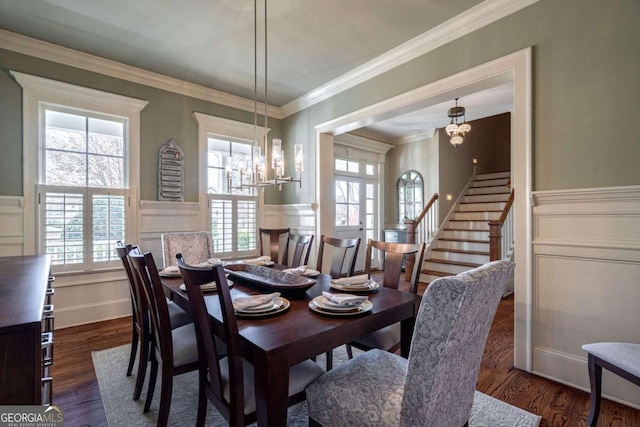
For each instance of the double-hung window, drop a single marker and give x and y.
(232, 210)
(81, 150)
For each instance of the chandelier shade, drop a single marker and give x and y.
(457, 131)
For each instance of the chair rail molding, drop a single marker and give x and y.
(586, 264)
(11, 225)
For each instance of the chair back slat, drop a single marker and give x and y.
(394, 254)
(340, 249)
(273, 234)
(301, 249)
(137, 306)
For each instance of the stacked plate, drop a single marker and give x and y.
(270, 307)
(302, 271)
(360, 283)
(207, 287)
(348, 305)
(171, 271)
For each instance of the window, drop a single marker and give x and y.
(410, 202)
(78, 146)
(233, 211)
(225, 148)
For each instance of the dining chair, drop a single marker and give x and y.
(435, 386)
(273, 235)
(621, 358)
(301, 245)
(344, 252)
(195, 246)
(175, 351)
(141, 335)
(388, 338)
(228, 381)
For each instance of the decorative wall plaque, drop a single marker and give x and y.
(170, 172)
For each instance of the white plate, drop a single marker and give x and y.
(367, 306)
(281, 305)
(262, 308)
(325, 304)
(309, 272)
(365, 287)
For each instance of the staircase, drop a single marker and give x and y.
(463, 243)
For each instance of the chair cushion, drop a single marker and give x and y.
(185, 346)
(625, 356)
(177, 315)
(385, 338)
(365, 391)
(300, 376)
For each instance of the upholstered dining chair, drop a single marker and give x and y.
(228, 381)
(140, 328)
(301, 245)
(273, 236)
(175, 351)
(435, 386)
(195, 246)
(343, 252)
(388, 338)
(621, 358)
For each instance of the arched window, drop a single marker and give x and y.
(410, 201)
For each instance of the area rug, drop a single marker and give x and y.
(116, 390)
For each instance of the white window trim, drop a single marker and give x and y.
(221, 128)
(37, 90)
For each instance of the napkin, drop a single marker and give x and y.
(242, 303)
(353, 280)
(258, 261)
(214, 261)
(297, 270)
(344, 300)
(172, 269)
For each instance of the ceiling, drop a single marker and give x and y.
(211, 43)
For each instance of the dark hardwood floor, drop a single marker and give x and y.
(76, 389)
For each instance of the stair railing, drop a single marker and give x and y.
(501, 232)
(422, 229)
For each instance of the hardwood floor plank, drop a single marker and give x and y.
(75, 388)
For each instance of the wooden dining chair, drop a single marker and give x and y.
(388, 338)
(273, 235)
(344, 252)
(228, 381)
(195, 246)
(174, 350)
(436, 385)
(140, 328)
(301, 245)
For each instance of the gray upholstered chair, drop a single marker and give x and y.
(195, 247)
(621, 358)
(436, 385)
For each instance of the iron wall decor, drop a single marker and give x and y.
(170, 172)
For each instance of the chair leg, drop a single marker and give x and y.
(142, 366)
(329, 355)
(202, 405)
(166, 389)
(152, 384)
(349, 351)
(595, 380)
(134, 349)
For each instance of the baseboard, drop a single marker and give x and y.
(91, 313)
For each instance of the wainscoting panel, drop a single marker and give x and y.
(586, 270)
(11, 226)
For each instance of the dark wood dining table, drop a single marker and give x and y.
(274, 344)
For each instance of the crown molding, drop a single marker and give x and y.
(363, 133)
(465, 23)
(419, 137)
(84, 61)
(363, 143)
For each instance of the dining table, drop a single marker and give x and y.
(275, 343)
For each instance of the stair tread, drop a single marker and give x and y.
(460, 251)
(486, 210)
(436, 273)
(465, 229)
(449, 262)
(448, 239)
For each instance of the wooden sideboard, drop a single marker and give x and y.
(26, 330)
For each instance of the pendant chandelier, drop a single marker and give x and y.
(457, 131)
(257, 174)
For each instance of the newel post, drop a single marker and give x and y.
(411, 258)
(495, 236)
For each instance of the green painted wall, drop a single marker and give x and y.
(167, 115)
(586, 82)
